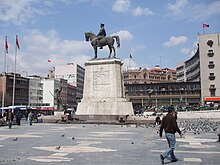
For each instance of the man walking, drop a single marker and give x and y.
(169, 125)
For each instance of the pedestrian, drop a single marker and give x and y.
(30, 118)
(9, 118)
(169, 125)
(175, 114)
(18, 117)
(26, 115)
(158, 120)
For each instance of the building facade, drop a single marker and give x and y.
(189, 71)
(204, 67)
(73, 73)
(67, 94)
(35, 91)
(162, 94)
(49, 94)
(21, 96)
(209, 51)
(144, 76)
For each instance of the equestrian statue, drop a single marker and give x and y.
(101, 40)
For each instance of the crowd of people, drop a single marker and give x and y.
(10, 117)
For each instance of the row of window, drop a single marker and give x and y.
(211, 65)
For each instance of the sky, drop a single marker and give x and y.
(161, 32)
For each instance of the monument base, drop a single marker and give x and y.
(118, 106)
(103, 95)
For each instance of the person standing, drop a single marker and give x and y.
(30, 118)
(169, 125)
(9, 118)
(18, 117)
(158, 120)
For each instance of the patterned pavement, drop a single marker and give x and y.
(95, 144)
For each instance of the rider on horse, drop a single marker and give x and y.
(101, 35)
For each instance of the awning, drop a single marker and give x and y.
(46, 109)
(211, 98)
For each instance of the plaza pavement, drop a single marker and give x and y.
(101, 144)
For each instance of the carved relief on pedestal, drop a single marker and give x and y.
(101, 81)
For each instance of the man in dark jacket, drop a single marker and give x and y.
(9, 118)
(169, 125)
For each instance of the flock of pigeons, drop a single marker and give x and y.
(198, 126)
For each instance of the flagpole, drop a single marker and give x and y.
(129, 62)
(13, 95)
(4, 74)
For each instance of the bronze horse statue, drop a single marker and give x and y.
(90, 36)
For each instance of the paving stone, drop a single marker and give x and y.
(101, 144)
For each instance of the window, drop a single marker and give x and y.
(211, 65)
(210, 53)
(211, 76)
(212, 93)
(210, 43)
(212, 87)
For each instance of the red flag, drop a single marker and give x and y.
(205, 25)
(130, 56)
(49, 61)
(6, 44)
(17, 43)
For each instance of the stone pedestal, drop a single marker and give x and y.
(103, 93)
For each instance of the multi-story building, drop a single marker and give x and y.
(204, 67)
(35, 91)
(172, 93)
(209, 51)
(180, 72)
(21, 96)
(49, 94)
(67, 93)
(71, 96)
(189, 71)
(73, 73)
(144, 76)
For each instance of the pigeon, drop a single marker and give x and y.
(15, 139)
(58, 147)
(62, 135)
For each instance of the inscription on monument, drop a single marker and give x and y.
(101, 81)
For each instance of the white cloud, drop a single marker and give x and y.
(37, 48)
(202, 11)
(121, 6)
(142, 11)
(177, 6)
(190, 50)
(124, 35)
(214, 8)
(187, 10)
(175, 41)
(19, 12)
